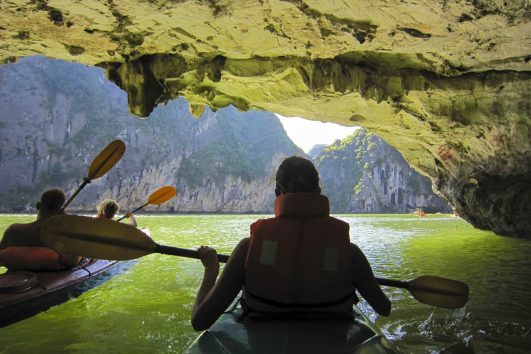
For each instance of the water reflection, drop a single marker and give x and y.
(150, 304)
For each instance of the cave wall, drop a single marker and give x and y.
(445, 82)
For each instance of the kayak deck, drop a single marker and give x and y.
(52, 288)
(355, 334)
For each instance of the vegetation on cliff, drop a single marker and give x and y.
(362, 173)
(57, 116)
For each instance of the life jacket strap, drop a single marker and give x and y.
(302, 306)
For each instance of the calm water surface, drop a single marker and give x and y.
(147, 308)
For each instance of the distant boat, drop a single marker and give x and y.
(419, 212)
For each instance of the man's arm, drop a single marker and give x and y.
(131, 218)
(366, 283)
(214, 297)
(68, 260)
(8, 237)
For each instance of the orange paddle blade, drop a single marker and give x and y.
(106, 159)
(162, 195)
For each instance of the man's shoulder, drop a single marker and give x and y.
(264, 221)
(14, 229)
(339, 221)
(16, 234)
(22, 227)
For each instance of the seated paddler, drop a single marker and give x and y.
(300, 261)
(21, 247)
(108, 208)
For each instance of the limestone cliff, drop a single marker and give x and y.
(363, 174)
(445, 82)
(57, 116)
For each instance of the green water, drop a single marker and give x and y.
(147, 309)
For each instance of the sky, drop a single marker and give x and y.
(307, 133)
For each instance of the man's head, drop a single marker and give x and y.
(108, 208)
(51, 201)
(296, 174)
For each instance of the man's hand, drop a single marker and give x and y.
(209, 258)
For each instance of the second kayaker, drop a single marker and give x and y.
(21, 247)
(108, 208)
(299, 261)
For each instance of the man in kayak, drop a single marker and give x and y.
(21, 247)
(108, 208)
(299, 261)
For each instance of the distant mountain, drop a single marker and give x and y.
(316, 150)
(56, 116)
(363, 174)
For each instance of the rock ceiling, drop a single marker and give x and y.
(445, 82)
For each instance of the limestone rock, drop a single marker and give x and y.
(222, 162)
(363, 174)
(445, 82)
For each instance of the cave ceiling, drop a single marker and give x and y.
(445, 82)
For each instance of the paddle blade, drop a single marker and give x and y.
(162, 195)
(440, 292)
(95, 238)
(106, 159)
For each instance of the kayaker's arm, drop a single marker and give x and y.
(131, 218)
(69, 260)
(208, 257)
(9, 234)
(365, 282)
(213, 297)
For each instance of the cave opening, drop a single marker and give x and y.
(55, 114)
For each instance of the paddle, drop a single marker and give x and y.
(105, 160)
(107, 239)
(158, 197)
(432, 290)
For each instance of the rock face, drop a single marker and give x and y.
(445, 82)
(57, 116)
(363, 174)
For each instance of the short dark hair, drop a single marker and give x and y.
(108, 207)
(297, 174)
(52, 200)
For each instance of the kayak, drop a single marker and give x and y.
(24, 294)
(325, 333)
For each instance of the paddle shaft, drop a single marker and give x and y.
(223, 258)
(81, 186)
(183, 252)
(134, 211)
(158, 197)
(394, 283)
(107, 239)
(105, 160)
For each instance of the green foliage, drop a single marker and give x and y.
(80, 112)
(55, 174)
(19, 198)
(245, 144)
(217, 161)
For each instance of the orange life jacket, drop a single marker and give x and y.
(31, 258)
(300, 260)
